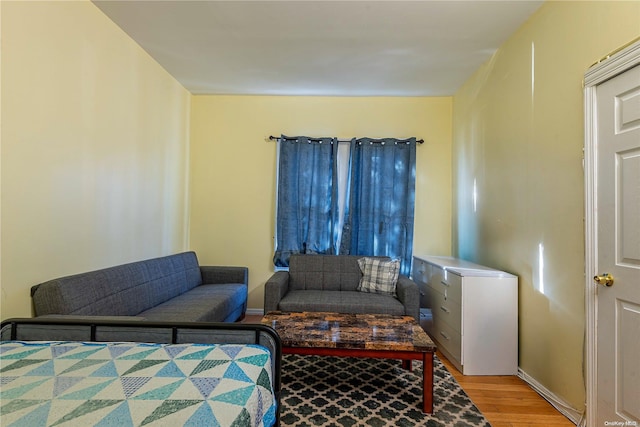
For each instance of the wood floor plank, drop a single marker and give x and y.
(507, 401)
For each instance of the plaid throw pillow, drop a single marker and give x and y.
(379, 276)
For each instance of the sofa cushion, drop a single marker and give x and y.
(341, 302)
(378, 276)
(205, 303)
(325, 272)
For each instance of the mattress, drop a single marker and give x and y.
(68, 383)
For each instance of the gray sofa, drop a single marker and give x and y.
(329, 283)
(173, 288)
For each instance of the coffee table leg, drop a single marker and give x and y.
(427, 382)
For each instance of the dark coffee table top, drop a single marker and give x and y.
(349, 331)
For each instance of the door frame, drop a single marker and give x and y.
(616, 63)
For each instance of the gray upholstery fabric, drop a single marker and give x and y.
(206, 303)
(341, 302)
(219, 274)
(324, 272)
(275, 289)
(408, 293)
(156, 285)
(329, 283)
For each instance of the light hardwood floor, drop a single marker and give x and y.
(506, 401)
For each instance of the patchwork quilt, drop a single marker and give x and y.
(135, 384)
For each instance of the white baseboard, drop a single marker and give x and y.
(574, 415)
(255, 312)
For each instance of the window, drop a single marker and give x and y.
(371, 213)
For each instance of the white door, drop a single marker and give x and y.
(617, 249)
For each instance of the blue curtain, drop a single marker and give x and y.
(380, 209)
(307, 187)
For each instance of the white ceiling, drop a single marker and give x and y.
(337, 48)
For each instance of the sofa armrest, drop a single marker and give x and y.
(275, 289)
(212, 275)
(409, 295)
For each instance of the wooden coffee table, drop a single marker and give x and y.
(358, 335)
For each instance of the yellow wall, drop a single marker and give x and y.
(518, 134)
(233, 169)
(94, 148)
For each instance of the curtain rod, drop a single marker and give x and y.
(277, 138)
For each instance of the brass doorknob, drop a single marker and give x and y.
(605, 279)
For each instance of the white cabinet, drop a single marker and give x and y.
(471, 312)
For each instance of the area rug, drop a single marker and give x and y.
(345, 392)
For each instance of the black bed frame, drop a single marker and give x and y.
(106, 330)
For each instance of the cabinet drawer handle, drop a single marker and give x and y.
(445, 336)
(444, 283)
(445, 309)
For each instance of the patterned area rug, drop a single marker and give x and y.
(334, 392)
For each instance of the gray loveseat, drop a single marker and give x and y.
(329, 283)
(173, 288)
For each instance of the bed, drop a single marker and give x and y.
(130, 373)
